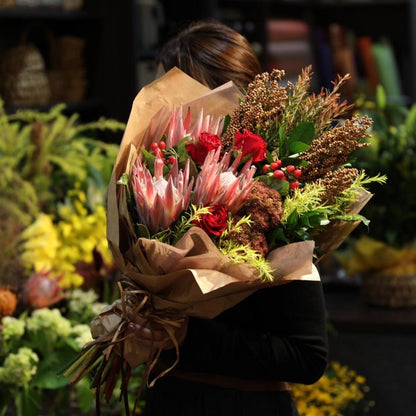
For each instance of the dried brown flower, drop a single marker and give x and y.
(337, 181)
(264, 101)
(321, 109)
(247, 236)
(333, 149)
(264, 205)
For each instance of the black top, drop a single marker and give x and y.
(277, 334)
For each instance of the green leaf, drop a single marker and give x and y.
(148, 157)
(227, 120)
(124, 180)
(278, 184)
(183, 157)
(277, 238)
(84, 395)
(47, 373)
(142, 231)
(293, 219)
(269, 157)
(298, 147)
(283, 149)
(353, 218)
(411, 121)
(302, 234)
(381, 99)
(5, 399)
(303, 132)
(28, 402)
(182, 153)
(315, 218)
(291, 160)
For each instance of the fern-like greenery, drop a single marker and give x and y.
(238, 253)
(235, 252)
(350, 195)
(303, 200)
(186, 221)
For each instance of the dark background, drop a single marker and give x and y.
(120, 60)
(378, 343)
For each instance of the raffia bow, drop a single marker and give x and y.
(117, 349)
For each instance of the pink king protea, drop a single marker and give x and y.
(159, 202)
(180, 127)
(42, 290)
(219, 183)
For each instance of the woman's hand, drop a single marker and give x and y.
(154, 334)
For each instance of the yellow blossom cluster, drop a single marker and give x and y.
(58, 245)
(334, 392)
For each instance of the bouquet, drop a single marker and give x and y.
(215, 195)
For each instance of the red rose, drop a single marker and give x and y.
(251, 144)
(205, 143)
(215, 222)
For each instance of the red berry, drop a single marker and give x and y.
(154, 146)
(157, 152)
(278, 163)
(278, 174)
(294, 185)
(265, 168)
(290, 168)
(162, 145)
(297, 173)
(274, 166)
(171, 160)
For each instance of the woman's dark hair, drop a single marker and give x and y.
(212, 53)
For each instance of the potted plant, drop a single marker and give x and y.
(55, 267)
(386, 257)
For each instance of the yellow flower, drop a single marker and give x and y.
(330, 395)
(40, 243)
(59, 246)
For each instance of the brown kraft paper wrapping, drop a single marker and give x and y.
(192, 278)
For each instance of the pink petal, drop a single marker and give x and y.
(196, 131)
(158, 168)
(187, 121)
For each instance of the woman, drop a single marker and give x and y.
(212, 53)
(240, 362)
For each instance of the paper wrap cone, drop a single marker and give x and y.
(192, 278)
(162, 269)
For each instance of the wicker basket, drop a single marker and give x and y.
(67, 74)
(390, 290)
(26, 79)
(7, 3)
(23, 77)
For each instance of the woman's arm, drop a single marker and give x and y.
(278, 333)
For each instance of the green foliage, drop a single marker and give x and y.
(43, 154)
(178, 229)
(34, 347)
(244, 254)
(280, 185)
(238, 253)
(393, 152)
(304, 214)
